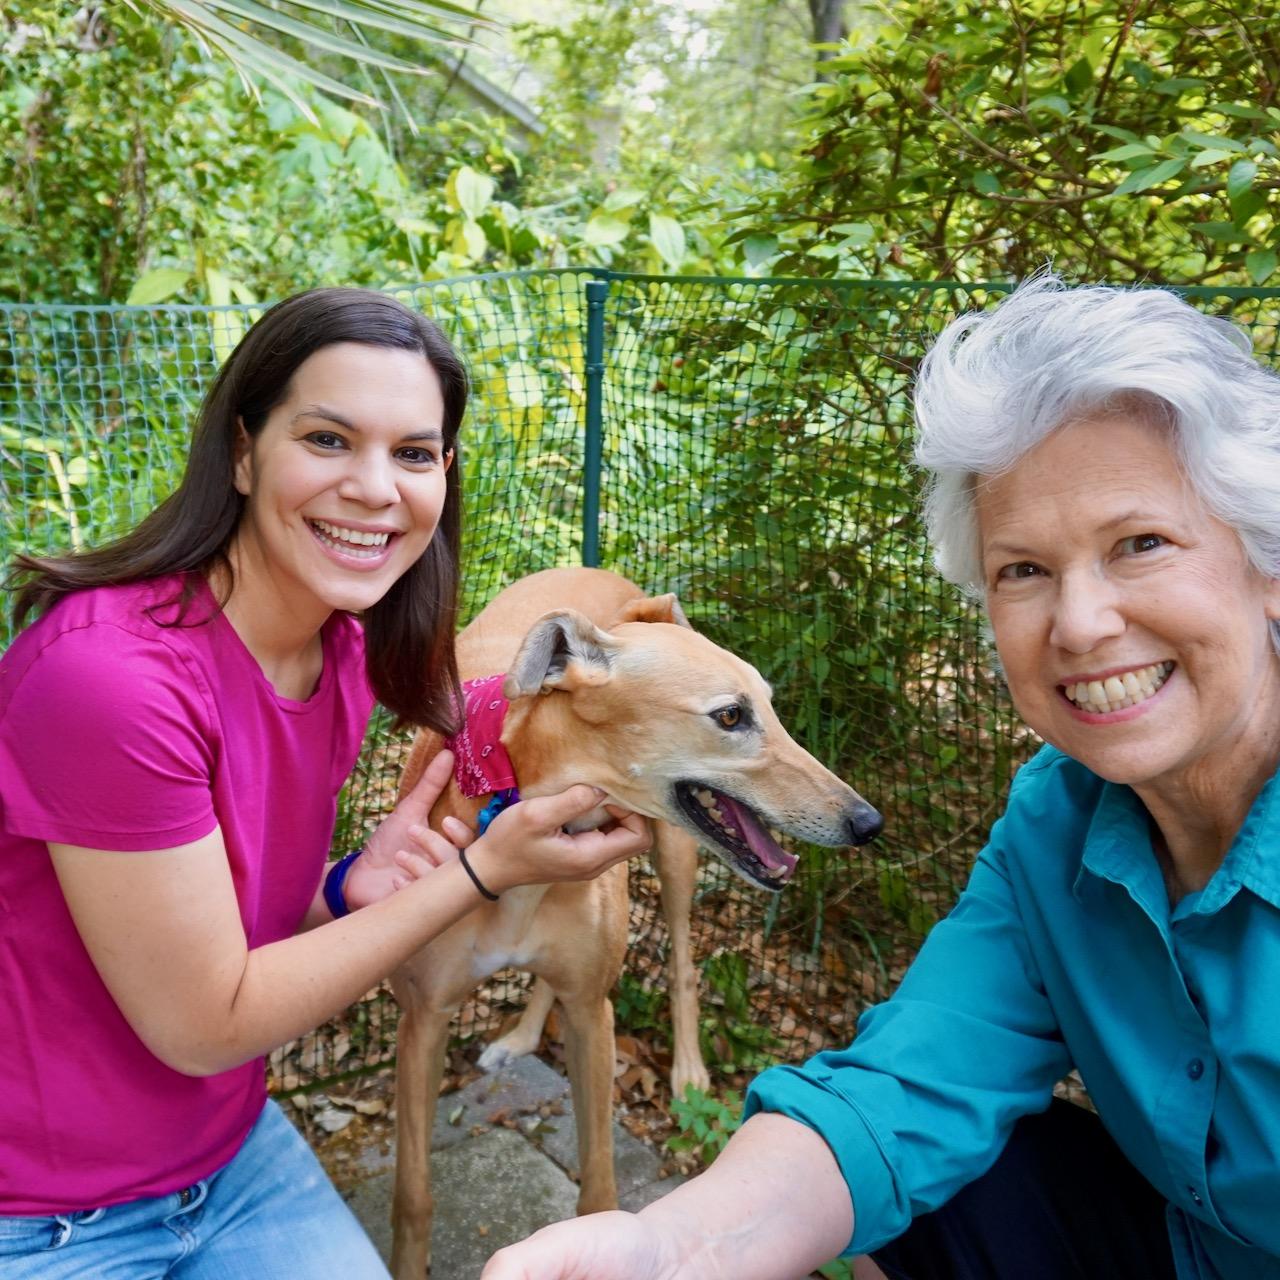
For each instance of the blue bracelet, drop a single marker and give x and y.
(337, 873)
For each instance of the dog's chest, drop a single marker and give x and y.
(507, 937)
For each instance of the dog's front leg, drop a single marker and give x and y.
(589, 1054)
(421, 1041)
(675, 856)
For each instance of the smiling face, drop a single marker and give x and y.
(345, 483)
(1132, 628)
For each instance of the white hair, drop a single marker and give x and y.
(996, 383)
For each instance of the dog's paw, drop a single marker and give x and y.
(498, 1055)
(689, 1073)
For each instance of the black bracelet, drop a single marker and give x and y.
(475, 879)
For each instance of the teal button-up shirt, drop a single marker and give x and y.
(1062, 952)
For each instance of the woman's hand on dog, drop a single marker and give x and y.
(527, 843)
(404, 848)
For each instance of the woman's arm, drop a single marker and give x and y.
(163, 929)
(772, 1207)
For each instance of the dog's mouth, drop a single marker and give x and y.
(736, 831)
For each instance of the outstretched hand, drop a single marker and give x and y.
(601, 1246)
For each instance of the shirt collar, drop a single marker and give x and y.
(1253, 860)
(1118, 848)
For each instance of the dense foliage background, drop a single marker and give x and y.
(937, 139)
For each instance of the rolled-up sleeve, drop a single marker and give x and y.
(924, 1099)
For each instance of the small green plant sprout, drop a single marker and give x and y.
(705, 1123)
(731, 1038)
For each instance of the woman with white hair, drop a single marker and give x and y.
(1106, 477)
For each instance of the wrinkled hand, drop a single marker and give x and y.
(404, 847)
(601, 1246)
(527, 844)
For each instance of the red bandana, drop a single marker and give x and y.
(481, 764)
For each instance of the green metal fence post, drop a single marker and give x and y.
(593, 459)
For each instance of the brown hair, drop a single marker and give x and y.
(409, 632)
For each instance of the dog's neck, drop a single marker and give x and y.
(481, 765)
(505, 751)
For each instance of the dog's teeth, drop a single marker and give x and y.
(704, 798)
(716, 813)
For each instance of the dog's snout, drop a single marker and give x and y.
(862, 822)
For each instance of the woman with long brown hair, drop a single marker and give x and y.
(175, 725)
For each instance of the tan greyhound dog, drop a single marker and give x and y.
(614, 689)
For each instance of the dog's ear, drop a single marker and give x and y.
(562, 650)
(653, 609)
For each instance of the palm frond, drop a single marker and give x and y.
(235, 29)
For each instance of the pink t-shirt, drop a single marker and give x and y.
(119, 733)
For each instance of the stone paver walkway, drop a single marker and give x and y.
(494, 1185)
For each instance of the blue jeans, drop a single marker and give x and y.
(271, 1214)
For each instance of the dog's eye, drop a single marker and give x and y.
(728, 717)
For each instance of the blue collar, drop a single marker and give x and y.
(500, 800)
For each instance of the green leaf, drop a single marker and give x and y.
(1130, 151)
(1093, 45)
(758, 249)
(359, 14)
(321, 38)
(668, 238)
(1144, 179)
(1240, 110)
(156, 285)
(248, 54)
(1079, 77)
(623, 198)
(1111, 131)
(1244, 206)
(1051, 102)
(1216, 142)
(474, 238)
(435, 21)
(1261, 264)
(218, 286)
(1221, 232)
(1179, 85)
(1240, 178)
(472, 191)
(856, 234)
(603, 230)
(986, 183)
(1206, 158)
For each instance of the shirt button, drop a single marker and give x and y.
(1195, 1195)
(1195, 1068)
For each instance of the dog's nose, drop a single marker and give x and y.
(862, 822)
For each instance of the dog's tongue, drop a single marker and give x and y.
(773, 857)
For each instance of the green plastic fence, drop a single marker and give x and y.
(743, 443)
